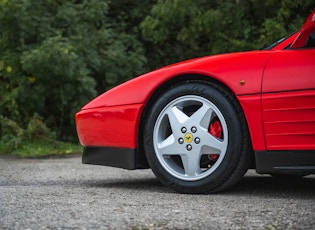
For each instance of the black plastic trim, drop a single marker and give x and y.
(110, 156)
(285, 162)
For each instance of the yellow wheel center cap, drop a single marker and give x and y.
(188, 137)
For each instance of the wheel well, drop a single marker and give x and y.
(142, 161)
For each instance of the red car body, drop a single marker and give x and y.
(275, 89)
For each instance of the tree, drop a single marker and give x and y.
(57, 55)
(182, 29)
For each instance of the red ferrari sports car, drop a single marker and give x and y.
(201, 124)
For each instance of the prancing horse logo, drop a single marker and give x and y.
(188, 137)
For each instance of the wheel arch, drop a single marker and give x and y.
(208, 80)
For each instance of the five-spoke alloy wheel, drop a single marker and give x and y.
(196, 140)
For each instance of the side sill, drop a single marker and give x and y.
(290, 162)
(110, 156)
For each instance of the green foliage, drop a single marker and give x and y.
(183, 29)
(12, 135)
(37, 130)
(35, 141)
(43, 148)
(57, 55)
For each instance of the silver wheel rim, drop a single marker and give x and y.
(182, 141)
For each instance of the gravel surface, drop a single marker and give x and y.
(65, 194)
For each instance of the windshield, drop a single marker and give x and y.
(269, 47)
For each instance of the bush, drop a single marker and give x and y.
(12, 135)
(37, 130)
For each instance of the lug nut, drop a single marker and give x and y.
(197, 140)
(181, 141)
(189, 147)
(184, 130)
(193, 129)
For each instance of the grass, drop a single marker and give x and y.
(42, 148)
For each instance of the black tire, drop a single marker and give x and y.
(174, 155)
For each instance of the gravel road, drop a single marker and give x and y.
(65, 194)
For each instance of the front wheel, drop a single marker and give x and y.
(196, 139)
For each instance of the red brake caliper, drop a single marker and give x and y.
(216, 130)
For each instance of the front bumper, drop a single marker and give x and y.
(108, 156)
(115, 126)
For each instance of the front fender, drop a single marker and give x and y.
(241, 72)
